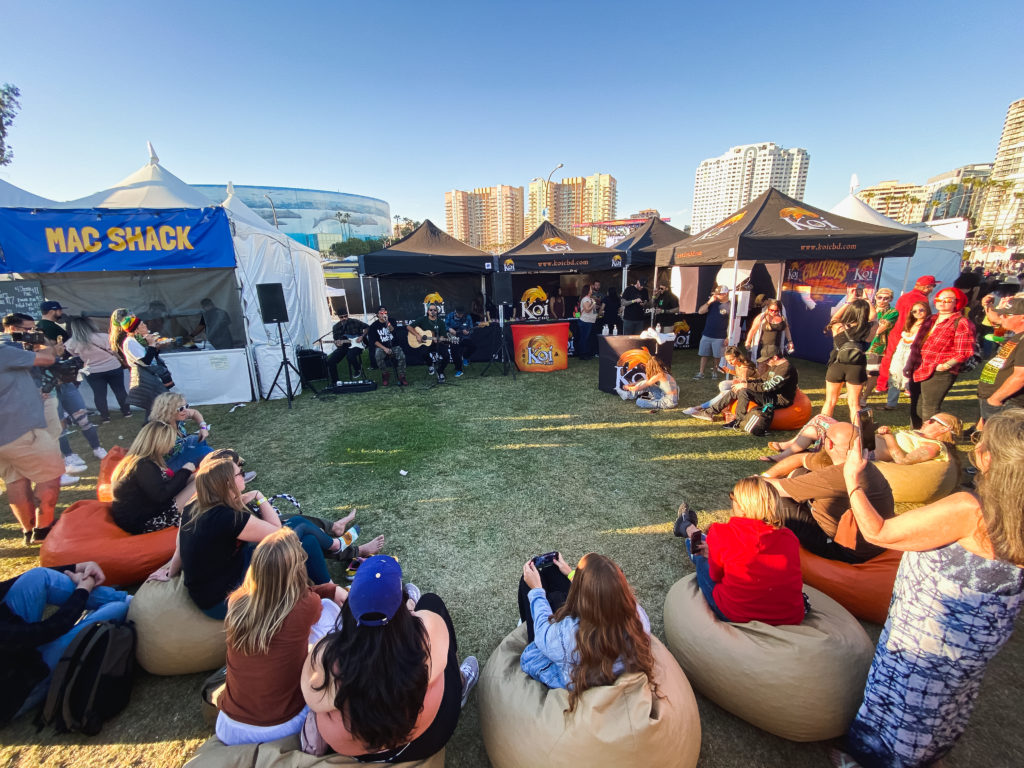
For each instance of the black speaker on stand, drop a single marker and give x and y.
(274, 310)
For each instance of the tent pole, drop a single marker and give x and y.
(906, 275)
(732, 293)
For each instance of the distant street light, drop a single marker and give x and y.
(272, 208)
(547, 188)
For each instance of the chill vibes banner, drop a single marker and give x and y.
(811, 290)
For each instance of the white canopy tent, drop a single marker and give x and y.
(15, 197)
(937, 254)
(262, 255)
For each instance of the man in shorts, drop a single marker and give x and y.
(712, 342)
(31, 464)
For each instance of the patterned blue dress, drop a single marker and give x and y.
(951, 612)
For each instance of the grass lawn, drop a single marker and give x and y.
(498, 471)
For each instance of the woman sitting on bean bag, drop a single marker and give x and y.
(148, 496)
(387, 685)
(272, 618)
(220, 531)
(598, 633)
(171, 408)
(748, 569)
(934, 440)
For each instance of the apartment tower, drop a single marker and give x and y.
(572, 202)
(726, 183)
(1002, 213)
(488, 218)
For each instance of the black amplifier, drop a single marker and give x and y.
(312, 364)
(346, 387)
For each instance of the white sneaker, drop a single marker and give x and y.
(698, 375)
(73, 463)
(68, 480)
(99, 453)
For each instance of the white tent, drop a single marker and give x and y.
(262, 255)
(15, 197)
(937, 254)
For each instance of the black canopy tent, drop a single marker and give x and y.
(456, 270)
(776, 228)
(643, 242)
(549, 249)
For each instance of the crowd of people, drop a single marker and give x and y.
(372, 670)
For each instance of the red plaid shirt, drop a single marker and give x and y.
(951, 339)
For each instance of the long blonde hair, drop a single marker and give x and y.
(154, 441)
(165, 408)
(1001, 487)
(756, 498)
(215, 487)
(274, 583)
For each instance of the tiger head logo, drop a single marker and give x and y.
(555, 245)
(802, 219)
(534, 303)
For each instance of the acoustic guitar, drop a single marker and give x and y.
(427, 339)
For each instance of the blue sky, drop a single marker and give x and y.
(406, 100)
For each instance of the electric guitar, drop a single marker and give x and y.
(349, 341)
(427, 339)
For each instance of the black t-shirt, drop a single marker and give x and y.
(385, 334)
(666, 302)
(780, 380)
(998, 369)
(634, 311)
(211, 554)
(146, 492)
(53, 331)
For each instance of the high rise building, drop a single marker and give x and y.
(727, 183)
(573, 202)
(1002, 213)
(957, 193)
(488, 218)
(904, 203)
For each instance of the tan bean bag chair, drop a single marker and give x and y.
(617, 725)
(920, 483)
(283, 753)
(802, 682)
(174, 636)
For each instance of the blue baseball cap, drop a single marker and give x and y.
(376, 593)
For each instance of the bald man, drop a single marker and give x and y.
(816, 506)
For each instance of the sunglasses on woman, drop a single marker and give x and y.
(940, 422)
(183, 408)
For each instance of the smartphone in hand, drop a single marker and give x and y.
(545, 560)
(696, 538)
(867, 428)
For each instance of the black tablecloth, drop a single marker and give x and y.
(610, 347)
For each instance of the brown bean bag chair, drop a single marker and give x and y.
(86, 531)
(864, 589)
(802, 682)
(792, 417)
(283, 753)
(108, 464)
(174, 636)
(523, 724)
(920, 483)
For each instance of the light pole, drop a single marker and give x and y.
(272, 208)
(547, 187)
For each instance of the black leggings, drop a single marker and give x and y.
(432, 740)
(556, 587)
(926, 396)
(798, 518)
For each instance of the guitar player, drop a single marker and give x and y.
(386, 350)
(439, 341)
(349, 340)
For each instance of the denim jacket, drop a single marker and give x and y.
(552, 654)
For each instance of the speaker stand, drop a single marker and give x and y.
(286, 367)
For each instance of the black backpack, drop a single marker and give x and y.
(758, 421)
(93, 679)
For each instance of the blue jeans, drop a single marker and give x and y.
(72, 403)
(892, 397)
(189, 448)
(582, 344)
(315, 542)
(39, 587)
(707, 586)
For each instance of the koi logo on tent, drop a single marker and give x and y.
(508, 265)
(534, 303)
(866, 271)
(802, 219)
(555, 245)
(722, 226)
(616, 260)
(433, 298)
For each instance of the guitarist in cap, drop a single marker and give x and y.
(432, 331)
(349, 340)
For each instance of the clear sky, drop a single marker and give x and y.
(406, 100)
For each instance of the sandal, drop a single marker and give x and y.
(768, 459)
(774, 446)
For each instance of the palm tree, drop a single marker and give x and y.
(950, 190)
(344, 217)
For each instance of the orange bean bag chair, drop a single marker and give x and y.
(86, 531)
(864, 589)
(791, 418)
(104, 489)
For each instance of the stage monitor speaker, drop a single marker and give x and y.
(272, 306)
(312, 364)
